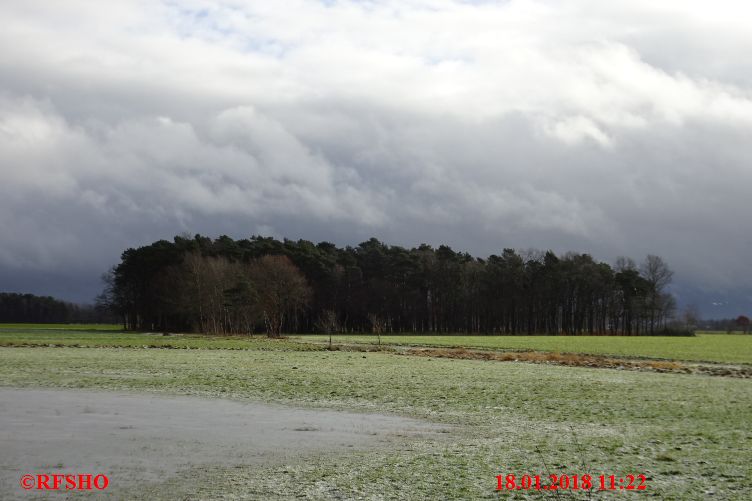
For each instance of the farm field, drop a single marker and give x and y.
(62, 327)
(722, 348)
(718, 348)
(498, 418)
(115, 338)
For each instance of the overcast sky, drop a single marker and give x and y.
(614, 128)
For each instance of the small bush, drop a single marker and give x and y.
(675, 329)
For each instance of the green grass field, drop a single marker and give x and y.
(689, 434)
(500, 416)
(53, 337)
(719, 348)
(63, 327)
(722, 348)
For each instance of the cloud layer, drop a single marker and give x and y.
(617, 128)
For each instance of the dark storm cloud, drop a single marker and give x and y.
(614, 128)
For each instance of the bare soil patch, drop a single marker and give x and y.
(579, 360)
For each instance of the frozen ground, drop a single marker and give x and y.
(140, 438)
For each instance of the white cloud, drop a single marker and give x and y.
(612, 127)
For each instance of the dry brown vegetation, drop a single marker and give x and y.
(580, 360)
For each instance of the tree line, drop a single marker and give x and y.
(28, 308)
(261, 283)
(740, 323)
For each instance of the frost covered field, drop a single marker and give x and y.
(689, 434)
(704, 347)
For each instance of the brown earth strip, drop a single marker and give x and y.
(579, 360)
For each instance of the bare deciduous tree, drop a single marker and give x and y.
(377, 324)
(215, 293)
(743, 322)
(656, 271)
(658, 275)
(281, 288)
(328, 323)
(624, 263)
(691, 316)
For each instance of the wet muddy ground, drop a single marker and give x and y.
(137, 438)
